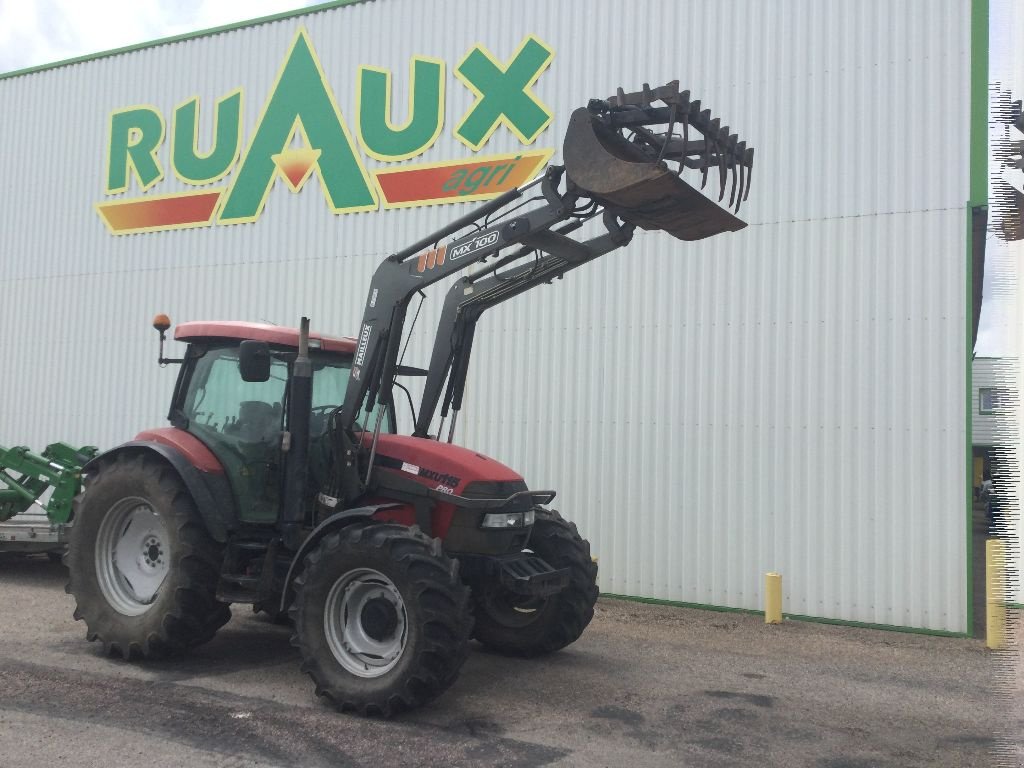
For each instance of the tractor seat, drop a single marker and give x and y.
(258, 422)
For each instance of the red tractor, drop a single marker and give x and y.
(282, 483)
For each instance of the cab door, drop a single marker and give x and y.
(241, 422)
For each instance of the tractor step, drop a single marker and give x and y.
(521, 573)
(239, 589)
(530, 575)
(253, 571)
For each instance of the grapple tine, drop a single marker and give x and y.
(737, 170)
(724, 158)
(732, 186)
(748, 161)
(668, 132)
(684, 110)
(686, 139)
(705, 162)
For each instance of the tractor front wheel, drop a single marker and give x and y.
(143, 570)
(382, 621)
(524, 626)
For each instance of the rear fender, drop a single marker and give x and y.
(333, 523)
(210, 491)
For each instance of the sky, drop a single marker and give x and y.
(34, 32)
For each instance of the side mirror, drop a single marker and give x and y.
(254, 361)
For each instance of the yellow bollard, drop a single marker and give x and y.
(772, 598)
(995, 595)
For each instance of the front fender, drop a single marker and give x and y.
(334, 522)
(210, 491)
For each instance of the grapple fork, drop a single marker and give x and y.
(612, 155)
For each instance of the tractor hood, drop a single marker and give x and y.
(451, 466)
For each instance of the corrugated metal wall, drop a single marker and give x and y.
(786, 398)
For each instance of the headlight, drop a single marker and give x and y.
(508, 520)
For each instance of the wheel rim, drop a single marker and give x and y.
(132, 556)
(365, 622)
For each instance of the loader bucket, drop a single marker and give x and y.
(633, 176)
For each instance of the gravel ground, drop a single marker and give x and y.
(645, 686)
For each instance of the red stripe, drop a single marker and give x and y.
(190, 208)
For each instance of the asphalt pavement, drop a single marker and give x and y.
(646, 686)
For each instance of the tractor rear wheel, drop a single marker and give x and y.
(143, 570)
(523, 626)
(382, 621)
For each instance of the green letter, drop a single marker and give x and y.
(193, 167)
(474, 179)
(379, 136)
(504, 94)
(300, 99)
(135, 135)
(454, 180)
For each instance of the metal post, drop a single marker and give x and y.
(995, 594)
(772, 598)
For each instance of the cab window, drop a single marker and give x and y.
(219, 400)
(330, 378)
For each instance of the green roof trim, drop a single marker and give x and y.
(310, 9)
(978, 193)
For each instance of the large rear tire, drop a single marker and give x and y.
(143, 570)
(382, 621)
(520, 626)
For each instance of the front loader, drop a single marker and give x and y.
(282, 481)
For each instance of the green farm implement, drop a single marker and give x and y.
(36, 492)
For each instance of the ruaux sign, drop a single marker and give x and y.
(301, 130)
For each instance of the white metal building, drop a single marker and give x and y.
(788, 398)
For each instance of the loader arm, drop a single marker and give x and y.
(402, 275)
(615, 165)
(470, 296)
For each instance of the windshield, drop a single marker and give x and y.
(218, 400)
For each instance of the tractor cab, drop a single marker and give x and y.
(232, 396)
